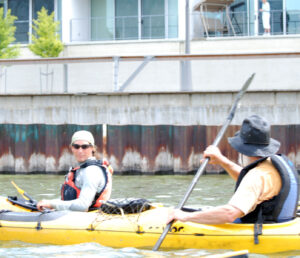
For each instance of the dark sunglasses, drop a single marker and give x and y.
(83, 146)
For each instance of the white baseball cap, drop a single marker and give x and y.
(83, 136)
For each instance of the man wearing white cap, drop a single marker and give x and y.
(87, 185)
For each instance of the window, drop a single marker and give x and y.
(38, 4)
(20, 9)
(293, 16)
(2, 4)
(127, 19)
(134, 19)
(25, 11)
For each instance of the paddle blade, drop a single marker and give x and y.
(22, 192)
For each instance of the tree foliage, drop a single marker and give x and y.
(7, 35)
(45, 40)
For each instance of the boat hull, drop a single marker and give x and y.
(143, 230)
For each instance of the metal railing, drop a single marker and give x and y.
(164, 27)
(124, 28)
(129, 74)
(244, 25)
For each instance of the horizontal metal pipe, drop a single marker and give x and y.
(65, 60)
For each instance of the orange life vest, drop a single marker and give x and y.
(69, 191)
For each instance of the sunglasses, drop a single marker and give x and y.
(83, 146)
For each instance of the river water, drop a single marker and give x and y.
(211, 190)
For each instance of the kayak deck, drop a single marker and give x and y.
(143, 230)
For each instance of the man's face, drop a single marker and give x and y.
(82, 150)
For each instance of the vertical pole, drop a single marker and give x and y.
(116, 73)
(256, 23)
(104, 141)
(166, 19)
(3, 77)
(65, 78)
(248, 17)
(140, 19)
(284, 24)
(185, 80)
(187, 27)
(47, 75)
(30, 20)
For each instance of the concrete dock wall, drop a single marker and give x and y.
(151, 125)
(145, 133)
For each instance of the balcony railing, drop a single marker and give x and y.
(241, 24)
(124, 28)
(165, 27)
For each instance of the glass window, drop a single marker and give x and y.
(102, 22)
(126, 19)
(239, 17)
(172, 19)
(21, 10)
(153, 19)
(59, 16)
(134, 19)
(2, 4)
(38, 4)
(293, 16)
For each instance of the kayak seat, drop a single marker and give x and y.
(31, 216)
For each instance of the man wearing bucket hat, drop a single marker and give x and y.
(266, 188)
(87, 185)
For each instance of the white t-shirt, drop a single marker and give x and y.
(90, 180)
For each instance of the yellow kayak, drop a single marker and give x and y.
(140, 230)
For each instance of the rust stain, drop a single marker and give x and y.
(130, 148)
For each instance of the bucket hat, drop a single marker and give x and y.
(83, 136)
(254, 139)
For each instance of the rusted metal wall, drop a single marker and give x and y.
(39, 147)
(146, 132)
(145, 149)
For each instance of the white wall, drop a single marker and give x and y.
(181, 19)
(211, 74)
(76, 16)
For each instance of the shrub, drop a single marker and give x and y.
(45, 40)
(7, 35)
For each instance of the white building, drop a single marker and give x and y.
(115, 20)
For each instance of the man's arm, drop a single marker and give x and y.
(216, 157)
(217, 215)
(92, 178)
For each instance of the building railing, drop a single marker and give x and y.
(131, 74)
(124, 28)
(243, 25)
(166, 26)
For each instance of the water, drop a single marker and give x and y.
(169, 190)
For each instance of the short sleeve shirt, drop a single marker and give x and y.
(260, 184)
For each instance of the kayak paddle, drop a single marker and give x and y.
(205, 162)
(23, 193)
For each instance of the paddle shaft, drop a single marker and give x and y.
(205, 162)
(23, 193)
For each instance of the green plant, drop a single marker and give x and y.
(7, 35)
(45, 40)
